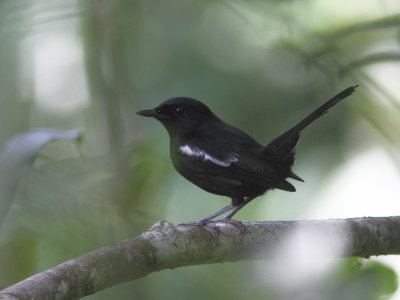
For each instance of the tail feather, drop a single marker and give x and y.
(283, 146)
(285, 186)
(294, 176)
(323, 109)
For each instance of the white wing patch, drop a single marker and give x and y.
(196, 152)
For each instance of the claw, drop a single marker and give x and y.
(191, 224)
(203, 224)
(238, 224)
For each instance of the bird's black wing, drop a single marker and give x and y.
(233, 158)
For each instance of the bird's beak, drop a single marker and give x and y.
(147, 113)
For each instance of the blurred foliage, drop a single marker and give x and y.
(260, 65)
(17, 158)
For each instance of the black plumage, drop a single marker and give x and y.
(223, 159)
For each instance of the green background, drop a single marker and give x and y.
(260, 65)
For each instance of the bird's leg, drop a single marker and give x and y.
(212, 216)
(216, 214)
(237, 208)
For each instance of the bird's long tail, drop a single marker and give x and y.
(284, 145)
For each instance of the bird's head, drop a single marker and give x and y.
(180, 115)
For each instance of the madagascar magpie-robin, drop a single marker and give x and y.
(223, 159)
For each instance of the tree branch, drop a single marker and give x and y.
(165, 246)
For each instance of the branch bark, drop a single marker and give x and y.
(165, 246)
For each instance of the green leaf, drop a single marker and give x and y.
(18, 156)
(385, 277)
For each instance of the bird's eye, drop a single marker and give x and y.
(179, 109)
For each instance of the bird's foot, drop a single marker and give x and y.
(229, 220)
(191, 224)
(238, 224)
(203, 224)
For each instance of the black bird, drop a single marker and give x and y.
(223, 159)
